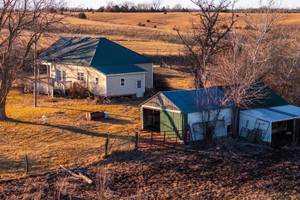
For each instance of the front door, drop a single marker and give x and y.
(139, 89)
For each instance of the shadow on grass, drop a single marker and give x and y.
(72, 129)
(115, 121)
(66, 109)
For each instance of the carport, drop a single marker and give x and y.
(275, 125)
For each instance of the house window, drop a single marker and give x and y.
(61, 75)
(122, 82)
(96, 81)
(139, 84)
(80, 76)
(64, 75)
(58, 74)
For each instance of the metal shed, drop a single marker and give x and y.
(179, 111)
(275, 125)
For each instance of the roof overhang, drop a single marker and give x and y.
(160, 109)
(123, 73)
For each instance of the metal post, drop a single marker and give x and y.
(35, 77)
(294, 132)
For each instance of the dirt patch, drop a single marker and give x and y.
(231, 170)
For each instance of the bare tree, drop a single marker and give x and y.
(285, 74)
(110, 3)
(177, 7)
(128, 4)
(207, 37)
(155, 4)
(239, 77)
(249, 60)
(143, 6)
(211, 103)
(22, 24)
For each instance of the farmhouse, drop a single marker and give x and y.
(103, 67)
(186, 111)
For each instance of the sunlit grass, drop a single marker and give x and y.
(66, 138)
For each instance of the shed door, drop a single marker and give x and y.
(171, 122)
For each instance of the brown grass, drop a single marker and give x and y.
(66, 138)
(176, 79)
(171, 20)
(122, 28)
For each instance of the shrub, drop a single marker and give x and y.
(52, 10)
(81, 16)
(140, 24)
(224, 26)
(148, 20)
(154, 26)
(78, 91)
(248, 27)
(160, 83)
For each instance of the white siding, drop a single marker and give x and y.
(221, 129)
(114, 87)
(248, 122)
(149, 74)
(90, 75)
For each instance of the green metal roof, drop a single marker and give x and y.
(99, 53)
(270, 99)
(72, 51)
(110, 53)
(119, 69)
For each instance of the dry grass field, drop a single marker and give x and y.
(171, 20)
(161, 41)
(66, 138)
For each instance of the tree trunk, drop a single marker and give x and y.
(235, 122)
(2, 110)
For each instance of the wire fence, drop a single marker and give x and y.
(142, 140)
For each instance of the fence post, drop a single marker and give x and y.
(106, 146)
(136, 141)
(151, 139)
(164, 138)
(176, 137)
(118, 138)
(26, 165)
(128, 139)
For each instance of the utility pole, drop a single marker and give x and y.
(35, 77)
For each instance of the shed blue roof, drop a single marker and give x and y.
(212, 98)
(99, 53)
(189, 101)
